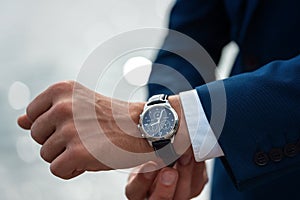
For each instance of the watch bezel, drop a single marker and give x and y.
(170, 134)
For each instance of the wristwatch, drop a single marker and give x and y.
(158, 124)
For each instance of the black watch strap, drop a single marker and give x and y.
(165, 150)
(157, 99)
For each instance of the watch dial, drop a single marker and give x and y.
(158, 121)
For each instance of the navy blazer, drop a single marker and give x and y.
(261, 134)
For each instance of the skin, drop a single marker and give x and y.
(185, 181)
(62, 119)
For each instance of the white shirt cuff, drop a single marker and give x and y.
(204, 142)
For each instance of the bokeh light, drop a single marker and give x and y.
(18, 95)
(28, 151)
(136, 70)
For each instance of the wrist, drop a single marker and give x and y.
(170, 110)
(118, 120)
(182, 141)
(135, 109)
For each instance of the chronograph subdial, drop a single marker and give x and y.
(164, 125)
(152, 128)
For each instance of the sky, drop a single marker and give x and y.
(43, 42)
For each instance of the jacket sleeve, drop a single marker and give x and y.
(261, 133)
(207, 23)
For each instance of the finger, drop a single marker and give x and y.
(185, 172)
(76, 173)
(46, 99)
(39, 105)
(140, 183)
(24, 122)
(199, 178)
(67, 165)
(166, 184)
(43, 127)
(53, 147)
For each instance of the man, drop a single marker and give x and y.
(265, 31)
(261, 129)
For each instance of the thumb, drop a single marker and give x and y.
(24, 122)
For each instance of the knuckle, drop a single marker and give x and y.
(29, 111)
(62, 109)
(70, 82)
(68, 132)
(35, 134)
(56, 171)
(76, 151)
(44, 153)
(73, 150)
(61, 87)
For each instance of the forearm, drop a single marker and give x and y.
(262, 113)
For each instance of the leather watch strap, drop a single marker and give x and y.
(165, 150)
(157, 99)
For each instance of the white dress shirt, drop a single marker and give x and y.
(204, 142)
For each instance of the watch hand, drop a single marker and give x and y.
(159, 122)
(158, 119)
(161, 114)
(155, 123)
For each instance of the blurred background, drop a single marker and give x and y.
(43, 42)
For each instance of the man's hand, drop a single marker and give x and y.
(80, 130)
(185, 181)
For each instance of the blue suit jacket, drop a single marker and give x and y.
(261, 134)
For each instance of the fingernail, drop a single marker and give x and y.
(168, 178)
(185, 159)
(148, 170)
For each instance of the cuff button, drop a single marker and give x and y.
(261, 158)
(276, 154)
(290, 150)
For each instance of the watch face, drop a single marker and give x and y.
(159, 121)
